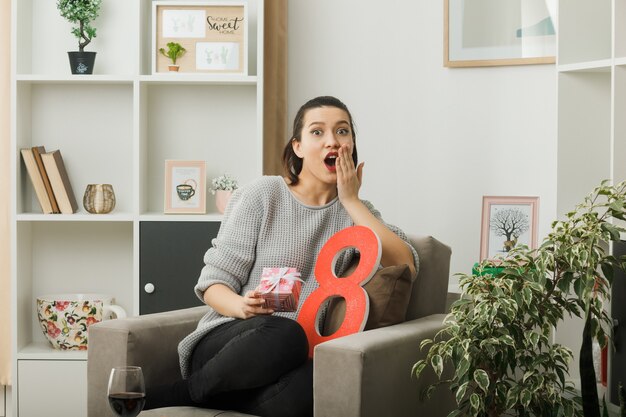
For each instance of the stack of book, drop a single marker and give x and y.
(50, 181)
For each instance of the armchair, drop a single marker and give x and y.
(367, 374)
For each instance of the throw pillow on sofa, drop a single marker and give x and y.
(389, 292)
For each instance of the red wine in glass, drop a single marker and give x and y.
(127, 391)
(127, 404)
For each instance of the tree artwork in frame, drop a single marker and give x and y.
(480, 33)
(507, 222)
(185, 187)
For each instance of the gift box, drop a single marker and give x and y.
(280, 288)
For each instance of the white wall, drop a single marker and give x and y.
(434, 140)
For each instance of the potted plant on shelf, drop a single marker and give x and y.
(174, 51)
(497, 338)
(81, 12)
(222, 187)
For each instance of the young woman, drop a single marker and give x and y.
(243, 356)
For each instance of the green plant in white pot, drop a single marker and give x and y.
(81, 13)
(222, 187)
(497, 338)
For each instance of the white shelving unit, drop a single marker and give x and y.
(116, 126)
(591, 67)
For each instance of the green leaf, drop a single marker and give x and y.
(475, 402)
(418, 367)
(613, 231)
(579, 287)
(527, 375)
(482, 379)
(533, 338)
(425, 342)
(528, 295)
(454, 413)
(525, 397)
(463, 367)
(511, 399)
(460, 393)
(507, 340)
(437, 363)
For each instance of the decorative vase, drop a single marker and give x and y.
(99, 198)
(82, 62)
(221, 199)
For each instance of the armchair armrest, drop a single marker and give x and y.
(368, 374)
(149, 341)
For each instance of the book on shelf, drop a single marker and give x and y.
(37, 180)
(53, 162)
(37, 151)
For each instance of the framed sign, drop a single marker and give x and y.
(185, 187)
(214, 36)
(506, 223)
(480, 33)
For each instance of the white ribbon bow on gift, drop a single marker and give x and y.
(274, 279)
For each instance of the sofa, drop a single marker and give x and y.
(366, 374)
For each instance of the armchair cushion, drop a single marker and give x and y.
(389, 292)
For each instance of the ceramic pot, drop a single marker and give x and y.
(64, 318)
(221, 199)
(173, 68)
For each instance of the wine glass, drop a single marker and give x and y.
(127, 391)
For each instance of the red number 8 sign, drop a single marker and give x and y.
(357, 303)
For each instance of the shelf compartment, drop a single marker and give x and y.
(584, 135)
(584, 31)
(218, 124)
(44, 37)
(41, 384)
(92, 125)
(70, 257)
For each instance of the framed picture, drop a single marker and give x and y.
(480, 33)
(507, 222)
(213, 34)
(185, 187)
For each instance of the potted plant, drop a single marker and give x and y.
(497, 338)
(222, 187)
(174, 51)
(81, 12)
